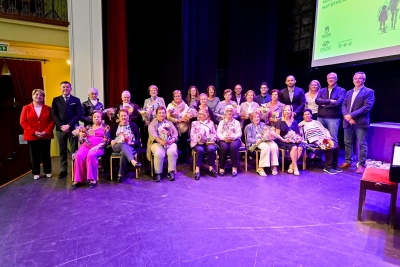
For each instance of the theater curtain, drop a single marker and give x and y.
(116, 68)
(26, 76)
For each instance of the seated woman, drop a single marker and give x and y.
(125, 138)
(262, 136)
(274, 108)
(220, 108)
(202, 138)
(229, 134)
(93, 139)
(289, 138)
(247, 107)
(90, 105)
(162, 138)
(179, 114)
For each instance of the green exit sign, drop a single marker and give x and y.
(3, 48)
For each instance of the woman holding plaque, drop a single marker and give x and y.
(162, 138)
(229, 133)
(261, 136)
(202, 138)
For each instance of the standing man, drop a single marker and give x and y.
(66, 111)
(264, 97)
(238, 97)
(356, 108)
(292, 95)
(329, 101)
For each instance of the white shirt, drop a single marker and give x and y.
(353, 97)
(38, 110)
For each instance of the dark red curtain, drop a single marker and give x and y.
(26, 76)
(116, 78)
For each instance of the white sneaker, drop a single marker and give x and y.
(36, 177)
(296, 172)
(261, 173)
(48, 175)
(274, 172)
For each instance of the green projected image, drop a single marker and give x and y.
(346, 27)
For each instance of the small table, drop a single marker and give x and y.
(378, 180)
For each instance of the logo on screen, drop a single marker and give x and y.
(327, 33)
(326, 46)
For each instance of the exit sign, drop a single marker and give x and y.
(3, 48)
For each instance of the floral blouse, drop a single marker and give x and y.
(202, 132)
(229, 128)
(106, 136)
(158, 102)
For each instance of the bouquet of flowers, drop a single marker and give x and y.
(267, 134)
(293, 137)
(174, 113)
(264, 111)
(325, 143)
(146, 114)
(82, 133)
(164, 132)
(125, 137)
(191, 112)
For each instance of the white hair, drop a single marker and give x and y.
(92, 89)
(126, 93)
(228, 107)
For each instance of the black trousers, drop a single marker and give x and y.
(37, 149)
(231, 149)
(331, 157)
(63, 139)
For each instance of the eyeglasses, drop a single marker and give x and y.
(177, 95)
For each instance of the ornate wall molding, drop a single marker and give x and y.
(35, 52)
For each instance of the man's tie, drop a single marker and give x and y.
(66, 99)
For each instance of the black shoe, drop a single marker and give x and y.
(213, 173)
(234, 174)
(119, 180)
(337, 169)
(330, 171)
(92, 185)
(157, 178)
(171, 176)
(75, 185)
(197, 176)
(62, 174)
(137, 165)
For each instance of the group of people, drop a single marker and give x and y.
(286, 119)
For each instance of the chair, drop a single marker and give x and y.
(378, 180)
(310, 148)
(194, 160)
(115, 155)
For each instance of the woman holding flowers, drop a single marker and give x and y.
(93, 139)
(203, 105)
(247, 107)
(151, 104)
(260, 135)
(220, 108)
(38, 125)
(180, 114)
(229, 133)
(274, 108)
(125, 138)
(202, 138)
(162, 138)
(289, 137)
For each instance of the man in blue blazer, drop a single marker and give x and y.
(66, 111)
(264, 97)
(292, 95)
(329, 101)
(356, 108)
(238, 97)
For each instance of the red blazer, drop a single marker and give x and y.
(32, 123)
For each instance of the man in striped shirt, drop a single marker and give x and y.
(313, 131)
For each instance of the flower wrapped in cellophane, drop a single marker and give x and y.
(264, 110)
(146, 113)
(325, 143)
(293, 137)
(110, 112)
(267, 134)
(164, 131)
(81, 132)
(125, 136)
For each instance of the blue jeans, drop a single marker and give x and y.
(361, 134)
(332, 125)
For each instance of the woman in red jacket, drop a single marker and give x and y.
(38, 124)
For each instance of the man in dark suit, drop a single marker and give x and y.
(292, 95)
(66, 111)
(264, 97)
(356, 108)
(238, 97)
(329, 101)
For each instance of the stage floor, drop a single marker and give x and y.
(283, 220)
